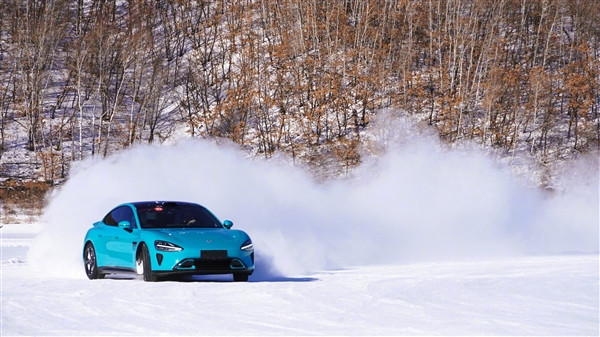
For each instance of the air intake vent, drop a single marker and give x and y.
(236, 264)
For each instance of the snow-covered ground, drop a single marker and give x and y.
(422, 240)
(541, 295)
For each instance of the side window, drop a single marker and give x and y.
(119, 214)
(109, 219)
(125, 213)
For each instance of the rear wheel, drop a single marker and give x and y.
(143, 266)
(240, 277)
(90, 263)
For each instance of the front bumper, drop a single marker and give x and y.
(175, 262)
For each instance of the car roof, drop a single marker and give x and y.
(160, 202)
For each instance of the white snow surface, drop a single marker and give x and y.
(536, 295)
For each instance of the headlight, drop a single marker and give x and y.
(166, 246)
(247, 246)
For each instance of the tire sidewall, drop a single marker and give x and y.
(148, 275)
(93, 274)
(240, 277)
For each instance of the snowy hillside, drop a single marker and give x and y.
(91, 78)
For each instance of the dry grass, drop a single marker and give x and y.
(22, 201)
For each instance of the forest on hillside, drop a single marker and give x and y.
(82, 78)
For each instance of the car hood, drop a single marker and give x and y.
(201, 236)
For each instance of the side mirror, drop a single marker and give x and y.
(227, 224)
(126, 225)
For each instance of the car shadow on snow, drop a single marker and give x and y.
(229, 278)
(215, 278)
(285, 279)
(259, 275)
(267, 272)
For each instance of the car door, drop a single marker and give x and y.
(101, 239)
(120, 242)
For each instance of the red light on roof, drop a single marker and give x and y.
(158, 209)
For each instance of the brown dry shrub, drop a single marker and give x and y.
(22, 201)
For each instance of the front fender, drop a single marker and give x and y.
(94, 236)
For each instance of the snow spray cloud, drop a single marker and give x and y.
(419, 201)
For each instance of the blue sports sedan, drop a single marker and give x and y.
(161, 238)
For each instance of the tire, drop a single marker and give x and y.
(90, 263)
(240, 277)
(144, 267)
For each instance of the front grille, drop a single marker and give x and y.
(211, 261)
(213, 264)
(213, 254)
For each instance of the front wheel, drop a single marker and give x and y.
(240, 277)
(90, 263)
(143, 265)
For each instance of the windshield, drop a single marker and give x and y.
(169, 215)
